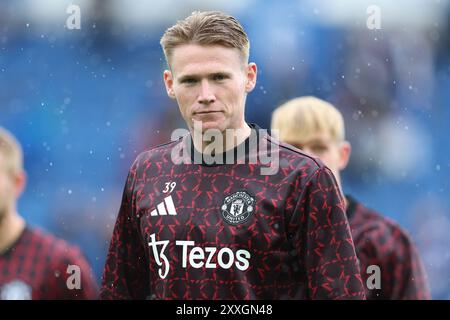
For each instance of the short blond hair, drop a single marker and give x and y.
(300, 118)
(11, 152)
(206, 28)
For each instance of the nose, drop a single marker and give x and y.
(206, 95)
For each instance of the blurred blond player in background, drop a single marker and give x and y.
(317, 127)
(34, 264)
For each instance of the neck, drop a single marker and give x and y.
(338, 180)
(345, 202)
(11, 227)
(221, 141)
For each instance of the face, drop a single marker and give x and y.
(10, 188)
(210, 85)
(6, 189)
(335, 155)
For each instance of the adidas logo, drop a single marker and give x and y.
(161, 208)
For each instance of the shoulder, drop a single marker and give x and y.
(159, 151)
(156, 157)
(54, 249)
(367, 223)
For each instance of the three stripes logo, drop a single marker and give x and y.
(165, 208)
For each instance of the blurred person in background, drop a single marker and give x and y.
(34, 264)
(317, 127)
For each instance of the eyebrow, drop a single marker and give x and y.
(307, 143)
(187, 77)
(317, 141)
(211, 75)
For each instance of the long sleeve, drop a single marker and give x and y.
(62, 275)
(402, 272)
(126, 274)
(321, 233)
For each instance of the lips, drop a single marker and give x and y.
(206, 112)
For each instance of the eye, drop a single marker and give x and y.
(298, 146)
(319, 148)
(219, 77)
(189, 81)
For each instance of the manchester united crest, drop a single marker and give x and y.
(238, 207)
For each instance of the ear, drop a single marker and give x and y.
(168, 81)
(251, 71)
(345, 149)
(20, 180)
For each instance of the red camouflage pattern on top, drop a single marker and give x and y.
(298, 236)
(38, 261)
(380, 241)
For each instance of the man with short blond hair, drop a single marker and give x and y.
(225, 230)
(227, 31)
(317, 127)
(33, 264)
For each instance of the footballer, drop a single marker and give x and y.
(211, 229)
(34, 265)
(317, 127)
